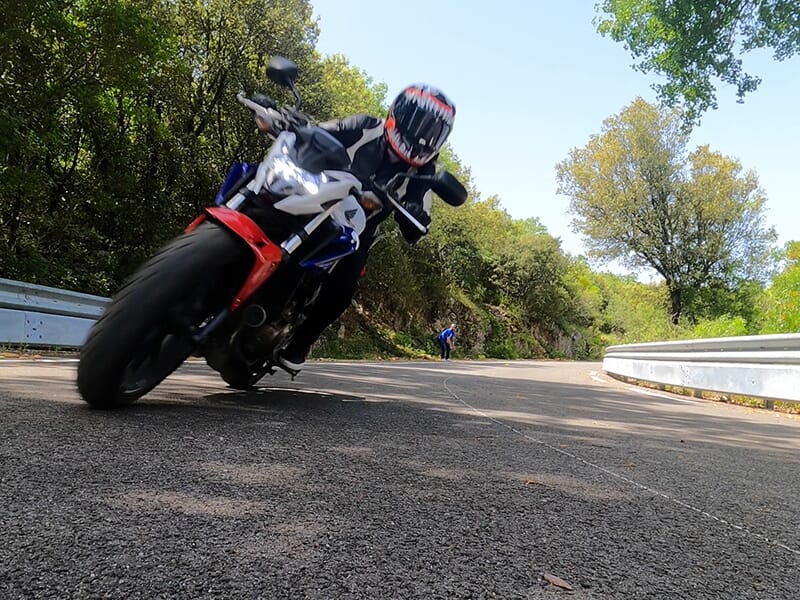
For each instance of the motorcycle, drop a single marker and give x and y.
(235, 285)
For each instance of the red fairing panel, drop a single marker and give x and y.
(267, 254)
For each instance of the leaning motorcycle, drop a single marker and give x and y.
(235, 285)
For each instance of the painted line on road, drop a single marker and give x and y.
(628, 480)
(633, 388)
(595, 377)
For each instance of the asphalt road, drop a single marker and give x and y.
(394, 480)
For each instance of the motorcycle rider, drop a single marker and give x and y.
(418, 123)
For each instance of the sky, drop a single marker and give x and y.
(532, 80)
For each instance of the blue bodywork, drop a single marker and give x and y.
(345, 243)
(236, 172)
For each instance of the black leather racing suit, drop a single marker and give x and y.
(370, 159)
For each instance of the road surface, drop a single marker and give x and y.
(394, 480)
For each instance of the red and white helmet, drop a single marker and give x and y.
(419, 121)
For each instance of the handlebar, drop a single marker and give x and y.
(385, 191)
(270, 118)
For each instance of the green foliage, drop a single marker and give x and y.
(117, 119)
(719, 298)
(781, 301)
(695, 42)
(343, 90)
(631, 311)
(62, 75)
(501, 347)
(724, 326)
(530, 273)
(696, 219)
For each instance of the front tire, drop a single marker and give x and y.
(145, 333)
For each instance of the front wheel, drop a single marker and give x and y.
(146, 331)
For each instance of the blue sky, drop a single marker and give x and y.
(532, 80)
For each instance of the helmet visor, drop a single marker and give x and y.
(423, 130)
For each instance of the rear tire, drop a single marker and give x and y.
(144, 334)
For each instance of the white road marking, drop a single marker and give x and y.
(635, 388)
(628, 480)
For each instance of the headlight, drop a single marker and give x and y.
(284, 177)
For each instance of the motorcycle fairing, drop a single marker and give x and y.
(345, 243)
(311, 204)
(304, 193)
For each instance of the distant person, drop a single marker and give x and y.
(447, 340)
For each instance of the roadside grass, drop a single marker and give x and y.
(782, 406)
(26, 351)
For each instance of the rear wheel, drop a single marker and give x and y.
(146, 331)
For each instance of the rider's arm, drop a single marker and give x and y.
(417, 200)
(265, 125)
(354, 131)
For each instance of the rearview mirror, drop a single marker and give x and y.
(282, 71)
(448, 188)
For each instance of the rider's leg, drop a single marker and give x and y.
(333, 299)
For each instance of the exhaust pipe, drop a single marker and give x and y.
(254, 316)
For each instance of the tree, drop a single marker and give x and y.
(67, 69)
(530, 273)
(339, 89)
(637, 196)
(630, 311)
(118, 120)
(692, 42)
(781, 303)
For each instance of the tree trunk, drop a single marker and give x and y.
(675, 302)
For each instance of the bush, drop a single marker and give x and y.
(724, 326)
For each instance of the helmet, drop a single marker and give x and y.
(419, 121)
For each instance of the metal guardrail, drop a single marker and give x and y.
(35, 315)
(763, 366)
